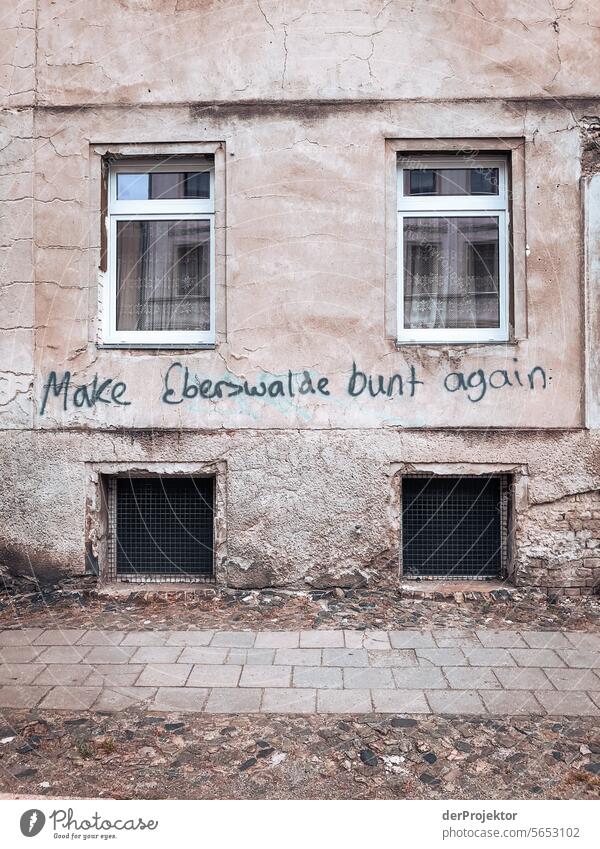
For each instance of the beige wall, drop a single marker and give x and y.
(302, 98)
(305, 270)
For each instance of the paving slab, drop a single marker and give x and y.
(70, 698)
(250, 657)
(318, 677)
(441, 657)
(233, 700)
(209, 675)
(420, 678)
(64, 674)
(115, 675)
(511, 702)
(266, 676)
(19, 696)
(63, 654)
(20, 654)
(489, 657)
(101, 638)
(344, 701)
(501, 639)
(546, 640)
(412, 640)
(234, 639)
(345, 657)
(189, 638)
(288, 700)
(376, 640)
(581, 640)
(400, 701)
(277, 640)
(298, 657)
(523, 678)
(353, 639)
(145, 638)
(19, 636)
(472, 678)
(198, 654)
(358, 678)
(448, 638)
(121, 698)
(580, 658)
(20, 673)
(393, 657)
(567, 704)
(110, 654)
(164, 675)
(536, 657)
(181, 699)
(58, 637)
(322, 639)
(574, 679)
(455, 701)
(156, 654)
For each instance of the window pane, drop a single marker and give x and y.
(450, 181)
(163, 185)
(451, 272)
(163, 275)
(132, 186)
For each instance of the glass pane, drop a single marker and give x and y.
(451, 272)
(163, 185)
(163, 275)
(450, 181)
(132, 186)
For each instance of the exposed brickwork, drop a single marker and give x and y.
(559, 545)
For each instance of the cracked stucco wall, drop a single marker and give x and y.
(302, 97)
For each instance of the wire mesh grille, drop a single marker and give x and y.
(162, 528)
(453, 527)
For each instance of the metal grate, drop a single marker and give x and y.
(161, 528)
(454, 527)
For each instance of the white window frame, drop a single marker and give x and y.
(197, 209)
(467, 206)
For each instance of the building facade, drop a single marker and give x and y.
(301, 295)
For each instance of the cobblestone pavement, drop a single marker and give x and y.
(440, 671)
(166, 755)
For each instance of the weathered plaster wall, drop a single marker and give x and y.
(190, 50)
(295, 498)
(303, 97)
(306, 271)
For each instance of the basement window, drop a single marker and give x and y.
(454, 527)
(453, 219)
(161, 234)
(161, 528)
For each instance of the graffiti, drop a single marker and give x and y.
(107, 391)
(478, 382)
(390, 386)
(180, 385)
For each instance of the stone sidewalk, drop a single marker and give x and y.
(449, 671)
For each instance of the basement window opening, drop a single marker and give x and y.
(161, 529)
(455, 528)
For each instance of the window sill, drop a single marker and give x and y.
(430, 343)
(155, 346)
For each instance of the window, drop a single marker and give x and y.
(452, 249)
(161, 287)
(161, 528)
(454, 527)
